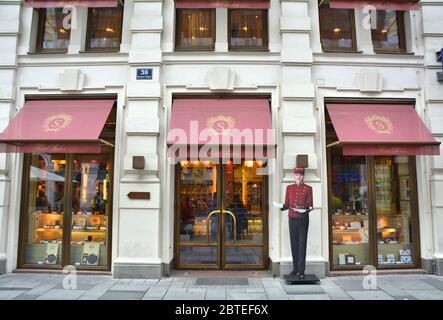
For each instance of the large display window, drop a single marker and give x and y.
(66, 208)
(373, 213)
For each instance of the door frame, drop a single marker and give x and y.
(220, 244)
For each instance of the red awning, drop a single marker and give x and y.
(225, 124)
(381, 129)
(57, 126)
(401, 5)
(70, 3)
(231, 4)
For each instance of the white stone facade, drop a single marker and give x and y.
(295, 73)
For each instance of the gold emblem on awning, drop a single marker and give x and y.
(220, 123)
(57, 122)
(379, 124)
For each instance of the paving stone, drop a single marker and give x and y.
(26, 296)
(215, 294)
(426, 294)
(131, 287)
(333, 290)
(98, 290)
(157, 292)
(255, 290)
(61, 294)
(412, 284)
(246, 296)
(10, 294)
(302, 289)
(405, 297)
(18, 285)
(79, 286)
(437, 284)
(39, 290)
(122, 295)
(370, 295)
(351, 284)
(222, 281)
(310, 297)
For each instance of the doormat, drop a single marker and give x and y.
(222, 282)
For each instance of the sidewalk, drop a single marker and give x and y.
(196, 287)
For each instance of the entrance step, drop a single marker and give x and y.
(346, 273)
(221, 274)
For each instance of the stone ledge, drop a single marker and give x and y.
(2, 265)
(137, 271)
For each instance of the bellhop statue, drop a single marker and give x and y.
(299, 202)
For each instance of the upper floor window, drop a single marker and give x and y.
(195, 29)
(104, 28)
(389, 34)
(53, 30)
(248, 29)
(337, 28)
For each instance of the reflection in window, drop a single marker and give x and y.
(248, 29)
(388, 33)
(91, 210)
(195, 29)
(336, 28)
(393, 205)
(54, 29)
(45, 210)
(349, 210)
(105, 27)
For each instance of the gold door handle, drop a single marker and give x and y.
(207, 223)
(234, 229)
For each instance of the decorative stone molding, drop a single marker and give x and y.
(71, 80)
(221, 78)
(370, 81)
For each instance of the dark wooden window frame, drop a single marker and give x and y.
(88, 34)
(265, 46)
(41, 13)
(372, 217)
(353, 34)
(177, 29)
(401, 33)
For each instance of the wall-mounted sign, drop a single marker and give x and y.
(144, 74)
(139, 195)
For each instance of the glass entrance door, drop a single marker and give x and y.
(221, 216)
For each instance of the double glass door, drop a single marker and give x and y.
(221, 216)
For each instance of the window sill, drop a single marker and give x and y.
(342, 51)
(49, 52)
(194, 49)
(394, 52)
(248, 49)
(101, 51)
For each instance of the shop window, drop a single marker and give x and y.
(104, 28)
(337, 28)
(372, 208)
(389, 34)
(248, 29)
(67, 208)
(195, 29)
(53, 30)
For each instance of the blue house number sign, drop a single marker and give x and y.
(144, 74)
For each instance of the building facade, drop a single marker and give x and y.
(146, 67)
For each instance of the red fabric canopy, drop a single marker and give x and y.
(231, 4)
(69, 3)
(244, 122)
(57, 126)
(379, 129)
(401, 5)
